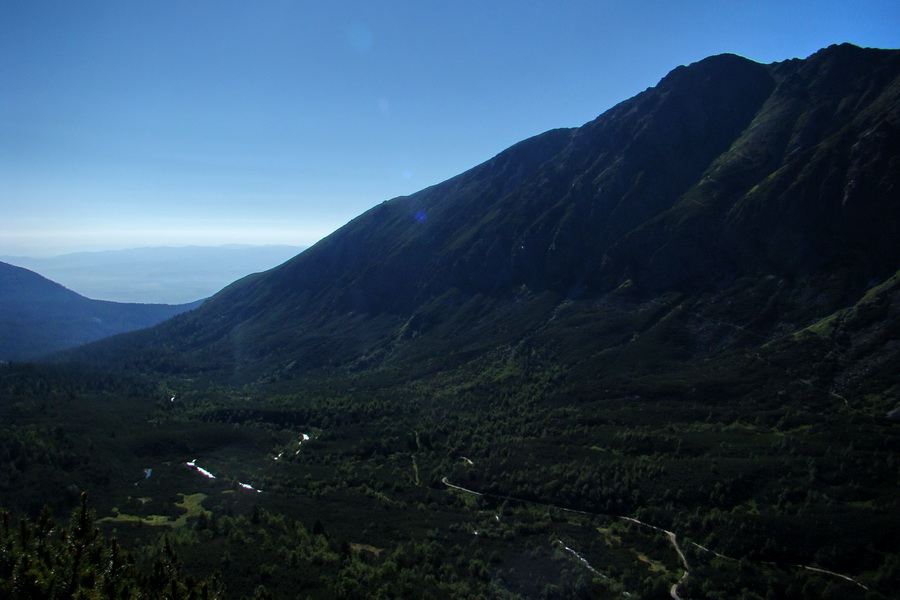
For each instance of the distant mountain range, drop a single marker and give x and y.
(734, 205)
(38, 316)
(163, 275)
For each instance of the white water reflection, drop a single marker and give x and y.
(201, 470)
(147, 474)
(303, 438)
(581, 558)
(193, 464)
(300, 443)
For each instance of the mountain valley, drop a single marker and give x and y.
(655, 356)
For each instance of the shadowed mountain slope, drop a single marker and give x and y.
(38, 316)
(731, 204)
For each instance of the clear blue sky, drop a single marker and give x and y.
(138, 122)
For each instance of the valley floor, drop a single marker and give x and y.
(486, 483)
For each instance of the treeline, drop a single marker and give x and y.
(42, 559)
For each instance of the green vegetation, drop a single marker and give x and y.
(506, 477)
(191, 506)
(42, 560)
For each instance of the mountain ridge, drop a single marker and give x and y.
(40, 316)
(727, 182)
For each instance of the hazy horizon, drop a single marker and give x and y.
(126, 248)
(156, 275)
(138, 124)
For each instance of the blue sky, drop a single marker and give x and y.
(135, 123)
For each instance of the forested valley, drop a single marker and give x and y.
(497, 480)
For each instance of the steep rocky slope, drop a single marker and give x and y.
(743, 201)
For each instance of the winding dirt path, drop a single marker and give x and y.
(673, 592)
(673, 538)
(461, 489)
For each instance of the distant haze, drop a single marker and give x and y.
(166, 275)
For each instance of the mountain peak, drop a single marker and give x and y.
(718, 63)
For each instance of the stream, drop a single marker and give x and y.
(193, 464)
